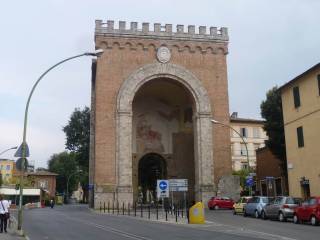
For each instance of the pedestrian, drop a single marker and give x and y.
(51, 203)
(4, 214)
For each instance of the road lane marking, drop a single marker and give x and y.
(109, 229)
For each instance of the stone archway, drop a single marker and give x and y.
(202, 130)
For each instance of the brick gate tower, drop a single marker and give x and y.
(154, 91)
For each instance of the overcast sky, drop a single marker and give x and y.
(271, 42)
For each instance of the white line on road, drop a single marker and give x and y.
(109, 229)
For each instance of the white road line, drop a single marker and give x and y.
(109, 229)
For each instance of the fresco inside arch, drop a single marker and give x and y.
(155, 122)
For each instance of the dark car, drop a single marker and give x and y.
(220, 202)
(280, 208)
(309, 211)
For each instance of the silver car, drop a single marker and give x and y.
(255, 205)
(280, 208)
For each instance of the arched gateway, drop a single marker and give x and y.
(153, 96)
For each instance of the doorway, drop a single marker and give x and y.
(152, 167)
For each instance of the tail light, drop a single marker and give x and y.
(285, 206)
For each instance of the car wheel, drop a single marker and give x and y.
(210, 208)
(281, 217)
(296, 219)
(245, 213)
(314, 221)
(263, 215)
(256, 214)
(216, 207)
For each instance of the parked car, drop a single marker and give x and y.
(309, 211)
(255, 205)
(280, 208)
(220, 202)
(238, 207)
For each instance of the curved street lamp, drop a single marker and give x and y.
(245, 143)
(8, 149)
(96, 53)
(72, 174)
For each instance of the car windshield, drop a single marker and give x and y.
(293, 201)
(265, 200)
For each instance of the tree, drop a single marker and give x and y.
(64, 164)
(271, 111)
(77, 141)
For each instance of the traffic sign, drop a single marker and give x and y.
(249, 181)
(162, 188)
(19, 151)
(178, 185)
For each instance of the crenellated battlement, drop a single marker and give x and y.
(161, 31)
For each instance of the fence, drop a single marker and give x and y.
(177, 213)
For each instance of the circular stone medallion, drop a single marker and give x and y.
(163, 54)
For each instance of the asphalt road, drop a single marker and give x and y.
(77, 222)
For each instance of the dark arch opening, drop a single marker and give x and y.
(152, 167)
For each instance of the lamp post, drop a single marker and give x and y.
(245, 143)
(97, 53)
(8, 149)
(80, 171)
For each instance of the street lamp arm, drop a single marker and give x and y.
(245, 143)
(8, 150)
(36, 84)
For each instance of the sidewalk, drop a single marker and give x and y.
(11, 234)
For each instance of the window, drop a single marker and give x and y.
(256, 132)
(296, 96)
(244, 166)
(243, 132)
(243, 150)
(8, 167)
(319, 83)
(300, 137)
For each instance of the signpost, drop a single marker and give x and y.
(249, 183)
(162, 188)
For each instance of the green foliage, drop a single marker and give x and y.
(64, 164)
(271, 111)
(243, 173)
(77, 141)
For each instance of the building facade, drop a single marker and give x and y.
(6, 169)
(253, 134)
(301, 116)
(154, 92)
(270, 179)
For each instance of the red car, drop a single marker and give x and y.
(309, 211)
(220, 202)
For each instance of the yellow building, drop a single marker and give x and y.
(301, 116)
(6, 169)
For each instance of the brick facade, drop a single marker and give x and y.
(198, 62)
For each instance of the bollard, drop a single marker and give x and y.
(122, 208)
(100, 207)
(141, 210)
(108, 207)
(176, 215)
(149, 212)
(112, 207)
(135, 209)
(118, 208)
(157, 211)
(129, 209)
(182, 210)
(104, 207)
(166, 215)
(178, 208)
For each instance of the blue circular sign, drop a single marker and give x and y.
(163, 185)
